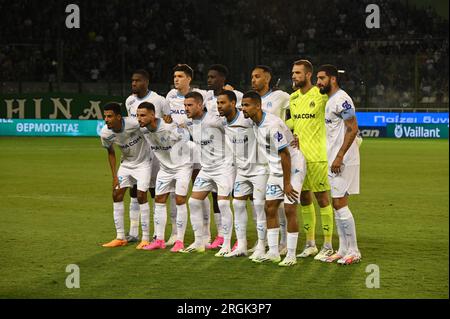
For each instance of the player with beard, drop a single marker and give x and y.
(307, 110)
(343, 161)
(275, 102)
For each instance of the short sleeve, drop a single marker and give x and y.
(278, 137)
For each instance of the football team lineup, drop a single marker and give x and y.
(280, 151)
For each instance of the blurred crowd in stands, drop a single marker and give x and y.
(406, 59)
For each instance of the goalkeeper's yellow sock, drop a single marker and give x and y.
(326, 213)
(309, 223)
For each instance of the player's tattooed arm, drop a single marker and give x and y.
(351, 130)
(112, 164)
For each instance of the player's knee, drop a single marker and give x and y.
(142, 197)
(339, 203)
(322, 199)
(117, 195)
(305, 198)
(271, 208)
(180, 200)
(160, 199)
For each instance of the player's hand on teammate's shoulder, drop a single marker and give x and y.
(168, 119)
(228, 87)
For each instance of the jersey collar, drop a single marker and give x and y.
(267, 94)
(262, 120)
(235, 118)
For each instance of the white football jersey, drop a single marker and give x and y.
(211, 100)
(273, 135)
(208, 134)
(338, 104)
(276, 102)
(169, 144)
(176, 103)
(161, 105)
(134, 147)
(242, 142)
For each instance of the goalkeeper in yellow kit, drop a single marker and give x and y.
(307, 111)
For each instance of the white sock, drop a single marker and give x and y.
(272, 238)
(196, 210)
(206, 219)
(341, 232)
(154, 224)
(283, 225)
(181, 221)
(173, 213)
(261, 224)
(348, 223)
(134, 217)
(254, 215)
(227, 221)
(240, 222)
(206, 225)
(160, 220)
(145, 221)
(292, 244)
(218, 222)
(118, 219)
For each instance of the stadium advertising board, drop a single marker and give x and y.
(33, 127)
(385, 118)
(417, 130)
(372, 131)
(55, 106)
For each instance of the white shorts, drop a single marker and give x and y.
(255, 185)
(275, 185)
(220, 181)
(155, 170)
(169, 182)
(139, 176)
(345, 183)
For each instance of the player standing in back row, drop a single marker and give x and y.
(141, 93)
(343, 161)
(307, 110)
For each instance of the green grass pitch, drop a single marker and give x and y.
(56, 209)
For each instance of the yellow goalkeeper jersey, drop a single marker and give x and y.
(308, 122)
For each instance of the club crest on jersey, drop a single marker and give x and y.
(278, 136)
(131, 101)
(312, 104)
(346, 105)
(269, 104)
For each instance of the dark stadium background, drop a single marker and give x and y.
(403, 64)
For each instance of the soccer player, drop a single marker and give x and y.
(174, 175)
(307, 110)
(182, 77)
(141, 93)
(275, 102)
(217, 76)
(216, 174)
(251, 176)
(286, 174)
(134, 168)
(343, 161)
